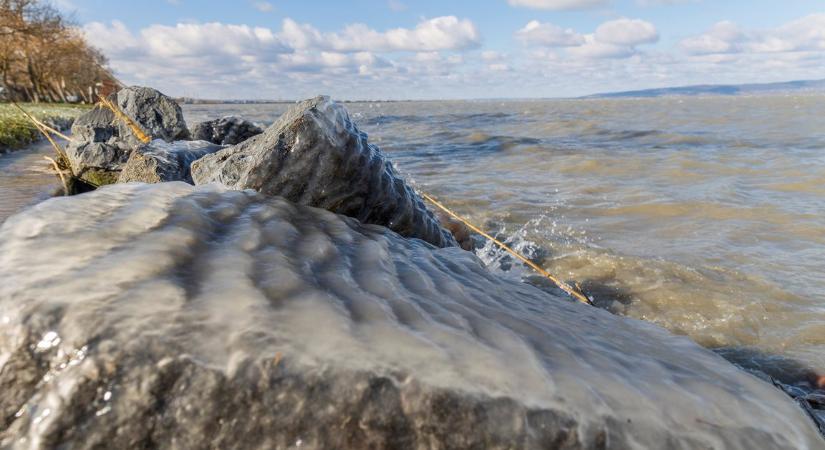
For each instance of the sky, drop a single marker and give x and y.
(447, 49)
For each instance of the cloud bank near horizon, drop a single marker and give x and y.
(447, 57)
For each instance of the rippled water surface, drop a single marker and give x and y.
(704, 215)
(25, 178)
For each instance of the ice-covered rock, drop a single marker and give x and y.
(161, 161)
(174, 316)
(229, 130)
(314, 155)
(101, 144)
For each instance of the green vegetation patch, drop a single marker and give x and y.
(17, 131)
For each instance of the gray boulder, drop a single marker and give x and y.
(314, 155)
(229, 130)
(181, 317)
(102, 144)
(160, 161)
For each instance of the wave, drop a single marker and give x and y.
(719, 308)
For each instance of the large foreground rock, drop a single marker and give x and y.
(102, 144)
(169, 316)
(229, 130)
(314, 155)
(160, 161)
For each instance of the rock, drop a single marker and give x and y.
(229, 130)
(160, 161)
(314, 155)
(159, 115)
(102, 144)
(466, 238)
(173, 316)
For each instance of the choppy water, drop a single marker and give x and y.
(703, 215)
(25, 178)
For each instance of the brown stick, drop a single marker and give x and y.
(57, 148)
(136, 130)
(51, 130)
(60, 174)
(561, 284)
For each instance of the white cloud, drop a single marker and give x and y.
(197, 40)
(492, 56)
(802, 35)
(114, 39)
(547, 34)
(437, 58)
(440, 33)
(559, 5)
(264, 7)
(627, 32)
(724, 37)
(236, 61)
(613, 39)
(596, 49)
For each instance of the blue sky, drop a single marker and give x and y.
(404, 49)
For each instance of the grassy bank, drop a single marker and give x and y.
(17, 131)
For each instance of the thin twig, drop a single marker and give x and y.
(51, 130)
(561, 284)
(60, 174)
(60, 152)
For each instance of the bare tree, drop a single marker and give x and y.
(44, 57)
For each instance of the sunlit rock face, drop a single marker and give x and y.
(172, 316)
(315, 155)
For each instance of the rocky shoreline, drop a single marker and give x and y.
(301, 294)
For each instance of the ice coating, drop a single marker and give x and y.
(133, 276)
(315, 155)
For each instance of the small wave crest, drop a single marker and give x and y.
(757, 325)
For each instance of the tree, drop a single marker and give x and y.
(44, 57)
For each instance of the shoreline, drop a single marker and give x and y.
(17, 132)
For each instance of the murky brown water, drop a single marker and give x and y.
(25, 178)
(704, 215)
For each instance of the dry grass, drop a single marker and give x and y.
(17, 131)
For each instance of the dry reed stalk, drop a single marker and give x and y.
(60, 152)
(60, 174)
(136, 130)
(51, 130)
(561, 284)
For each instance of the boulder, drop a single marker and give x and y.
(314, 155)
(101, 144)
(160, 161)
(229, 130)
(173, 316)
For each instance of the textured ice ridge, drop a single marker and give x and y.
(192, 317)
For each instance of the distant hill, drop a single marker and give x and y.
(724, 89)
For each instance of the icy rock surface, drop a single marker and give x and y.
(160, 161)
(314, 155)
(229, 130)
(174, 316)
(102, 144)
